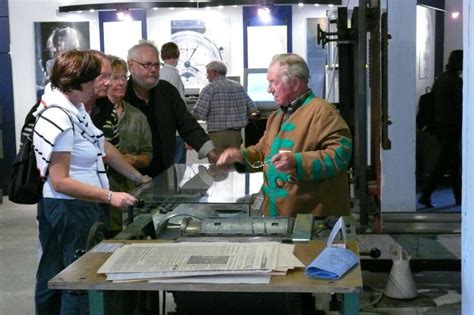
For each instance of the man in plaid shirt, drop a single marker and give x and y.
(225, 106)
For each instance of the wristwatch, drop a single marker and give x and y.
(196, 51)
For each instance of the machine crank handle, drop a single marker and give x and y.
(374, 253)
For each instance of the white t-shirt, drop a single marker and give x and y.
(84, 155)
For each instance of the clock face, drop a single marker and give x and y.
(196, 51)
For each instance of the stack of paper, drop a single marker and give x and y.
(222, 262)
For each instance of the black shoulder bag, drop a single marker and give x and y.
(26, 184)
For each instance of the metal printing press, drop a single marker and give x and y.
(192, 202)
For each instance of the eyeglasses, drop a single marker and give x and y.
(148, 65)
(257, 164)
(292, 179)
(122, 78)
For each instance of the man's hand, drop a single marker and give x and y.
(229, 156)
(212, 156)
(284, 162)
(254, 116)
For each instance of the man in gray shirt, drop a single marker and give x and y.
(168, 72)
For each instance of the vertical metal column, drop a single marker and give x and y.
(360, 113)
(346, 71)
(375, 64)
(96, 302)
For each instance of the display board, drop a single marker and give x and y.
(256, 85)
(119, 33)
(51, 39)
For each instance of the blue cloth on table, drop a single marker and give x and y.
(332, 263)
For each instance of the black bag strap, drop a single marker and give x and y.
(30, 138)
(44, 109)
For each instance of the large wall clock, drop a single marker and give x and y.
(196, 51)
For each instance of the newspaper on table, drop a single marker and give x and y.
(145, 261)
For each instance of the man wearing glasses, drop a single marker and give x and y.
(165, 110)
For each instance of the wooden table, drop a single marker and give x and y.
(82, 275)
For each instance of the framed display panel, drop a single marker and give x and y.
(265, 38)
(52, 38)
(117, 36)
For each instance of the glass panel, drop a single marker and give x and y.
(202, 184)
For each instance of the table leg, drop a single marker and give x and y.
(96, 302)
(350, 303)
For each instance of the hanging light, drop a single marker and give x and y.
(123, 15)
(265, 14)
(120, 15)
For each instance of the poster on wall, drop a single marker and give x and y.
(120, 30)
(52, 38)
(200, 42)
(119, 36)
(264, 42)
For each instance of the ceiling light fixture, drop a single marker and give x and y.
(151, 4)
(124, 15)
(454, 14)
(265, 14)
(120, 15)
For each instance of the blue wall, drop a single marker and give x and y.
(7, 121)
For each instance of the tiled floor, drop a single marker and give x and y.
(18, 257)
(439, 292)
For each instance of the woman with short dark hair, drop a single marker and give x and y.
(70, 153)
